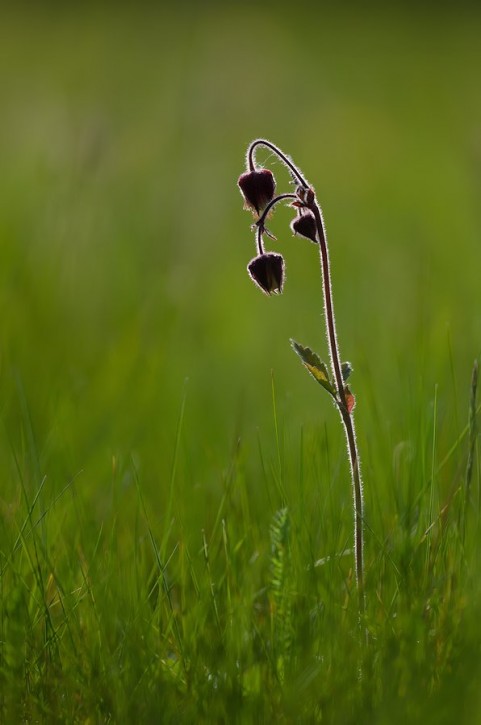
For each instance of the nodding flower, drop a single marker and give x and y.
(305, 226)
(257, 187)
(267, 272)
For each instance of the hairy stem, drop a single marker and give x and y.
(285, 160)
(273, 202)
(346, 416)
(307, 196)
(260, 245)
(260, 222)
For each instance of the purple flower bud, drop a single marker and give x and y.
(257, 188)
(305, 226)
(267, 271)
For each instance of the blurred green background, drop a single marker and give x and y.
(125, 307)
(123, 242)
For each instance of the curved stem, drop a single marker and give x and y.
(282, 156)
(307, 196)
(346, 416)
(328, 303)
(273, 202)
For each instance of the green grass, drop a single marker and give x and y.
(175, 505)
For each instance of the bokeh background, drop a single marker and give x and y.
(152, 412)
(123, 242)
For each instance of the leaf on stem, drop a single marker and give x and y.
(314, 366)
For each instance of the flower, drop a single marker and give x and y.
(267, 271)
(257, 187)
(305, 226)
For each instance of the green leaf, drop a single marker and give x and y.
(313, 363)
(346, 369)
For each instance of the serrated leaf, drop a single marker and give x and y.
(346, 370)
(350, 399)
(314, 365)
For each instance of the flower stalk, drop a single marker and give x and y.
(310, 224)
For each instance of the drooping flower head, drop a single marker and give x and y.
(258, 188)
(267, 271)
(305, 226)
